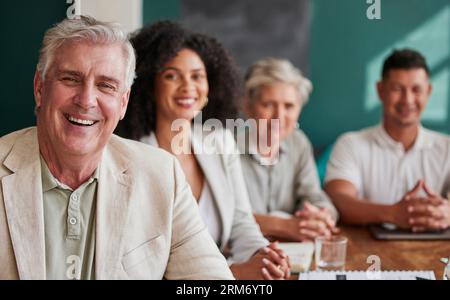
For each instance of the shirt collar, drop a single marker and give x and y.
(49, 181)
(252, 151)
(423, 139)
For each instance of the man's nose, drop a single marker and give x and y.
(87, 96)
(408, 96)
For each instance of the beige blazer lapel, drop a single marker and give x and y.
(112, 213)
(213, 170)
(22, 192)
(214, 175)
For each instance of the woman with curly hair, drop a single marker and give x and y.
(179, 74)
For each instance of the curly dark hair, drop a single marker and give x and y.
(156, 45)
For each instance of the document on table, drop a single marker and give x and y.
(300, 255)
(363, 275)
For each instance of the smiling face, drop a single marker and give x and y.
(404, 94)
(81, 99)
(278, 101)
(181, 88)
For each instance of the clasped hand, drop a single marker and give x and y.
(422, 213)
(309, 223)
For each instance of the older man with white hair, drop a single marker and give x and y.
(76, 201)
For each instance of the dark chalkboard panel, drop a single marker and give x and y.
(254, 29)
(22, 27)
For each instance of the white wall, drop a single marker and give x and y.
(126, 12)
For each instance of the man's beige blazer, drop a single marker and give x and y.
(147, 223)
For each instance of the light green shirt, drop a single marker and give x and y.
(69, 220)
(282, 188)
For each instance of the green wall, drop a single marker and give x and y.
(22, 24)
(159, 10)
(345, 58)
(346, 54)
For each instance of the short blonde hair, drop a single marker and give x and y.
(269, 71)
(90, 30)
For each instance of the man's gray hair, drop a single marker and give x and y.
(269, 71)
(90, 30)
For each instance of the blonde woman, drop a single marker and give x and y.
(285, 194)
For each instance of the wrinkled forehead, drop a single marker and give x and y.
(89, 59)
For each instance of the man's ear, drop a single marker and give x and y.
(380, 90)
(430, 89)
(37, 88)
(124, 104)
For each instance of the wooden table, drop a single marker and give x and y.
(394, 255)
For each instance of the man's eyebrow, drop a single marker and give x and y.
(109, 79)
(79, 74)
(69, 72)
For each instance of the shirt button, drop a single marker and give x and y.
(73, 221)
(74, 197)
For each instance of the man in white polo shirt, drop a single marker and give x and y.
(397, 172)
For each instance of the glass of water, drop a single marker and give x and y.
(330, 253)
(446, 261)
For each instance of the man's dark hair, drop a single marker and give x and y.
(404, 59)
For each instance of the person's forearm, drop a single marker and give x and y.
(236, 270)
(269, 225)
(362, 212)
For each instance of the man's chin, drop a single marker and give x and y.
(408, 122)
(78, 147)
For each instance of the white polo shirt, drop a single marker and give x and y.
(382, 171)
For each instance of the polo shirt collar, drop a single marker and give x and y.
(423, 139)
(49, 181)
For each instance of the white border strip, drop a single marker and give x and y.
(127, 12)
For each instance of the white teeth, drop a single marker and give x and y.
(79, 121)
(186, 101)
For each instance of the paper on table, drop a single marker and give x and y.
(300, 255)
(363, 275)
